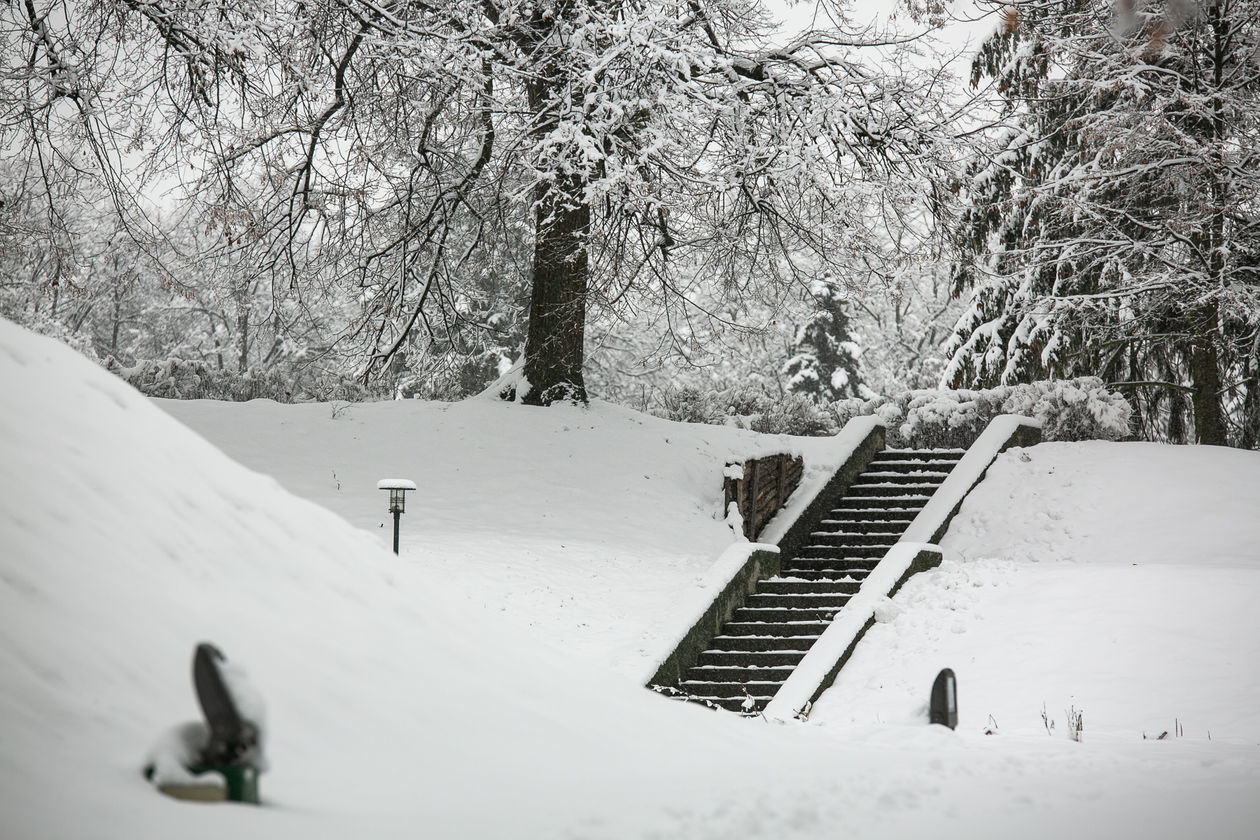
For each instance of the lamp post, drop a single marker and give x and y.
(397, 488)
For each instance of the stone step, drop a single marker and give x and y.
(902, 477)
(878, 529)
(751, 658)
(747, 643)
(863, 551)
(836, 575)
(884, 538)
(772, 628)
(918, 455)
(760, 690)
(832, 561)
(735, 704)
(887, 490)
(739, 674)
(777, 615)
(902, 503)
(859, 518)
(908, 466)
(783, 585)
(798, 600)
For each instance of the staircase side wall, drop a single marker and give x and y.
(797, 535)
(761, 563)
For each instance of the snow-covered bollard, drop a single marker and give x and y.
(397, 488)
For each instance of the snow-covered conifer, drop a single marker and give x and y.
(826, 365)
(1111, 227)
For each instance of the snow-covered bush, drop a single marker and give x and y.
(691, 405)
(1073, 409)
(749, 408)
(193, 379)
(793, 414)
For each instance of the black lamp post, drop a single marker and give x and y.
(397, 488)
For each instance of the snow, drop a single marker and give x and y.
(395, 484)
(487, 682)
(177, 749)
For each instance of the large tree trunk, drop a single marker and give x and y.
(1250, 436)
(555, 342)
(555, 338)
(1205, 383)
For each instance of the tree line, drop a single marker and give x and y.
(417, 195)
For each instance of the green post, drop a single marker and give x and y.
(242, 783)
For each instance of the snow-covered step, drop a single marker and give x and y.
(917, 455)
(760, 690)
(737, 704)
(903, 467)
(877, 528)
(798, 600)
(784, 585)
(863, 551)
(828, 575)
(844, 537)
(849, 515)
(748, 675)
(879, 539)
(774, 615)
(831, 558)
(775, 628)
(751, 658)
(889, 491)
(905, 476)
(901, 503)
(748, 643)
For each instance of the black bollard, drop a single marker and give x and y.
(944, 706)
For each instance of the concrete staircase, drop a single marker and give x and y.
(767, 637)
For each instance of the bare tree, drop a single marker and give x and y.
(394, 149)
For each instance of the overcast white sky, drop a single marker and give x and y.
(961, 36)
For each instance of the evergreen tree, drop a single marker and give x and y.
(826, 364)
(1108, 229)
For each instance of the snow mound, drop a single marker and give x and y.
(128, 539)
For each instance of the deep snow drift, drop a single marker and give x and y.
(485, 683)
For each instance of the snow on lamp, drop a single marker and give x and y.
(397, 488)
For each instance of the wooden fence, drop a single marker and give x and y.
(760, 488)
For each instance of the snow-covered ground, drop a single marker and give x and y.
(486, 683)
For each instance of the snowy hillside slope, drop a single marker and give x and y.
(586, 526)
(484, 684)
